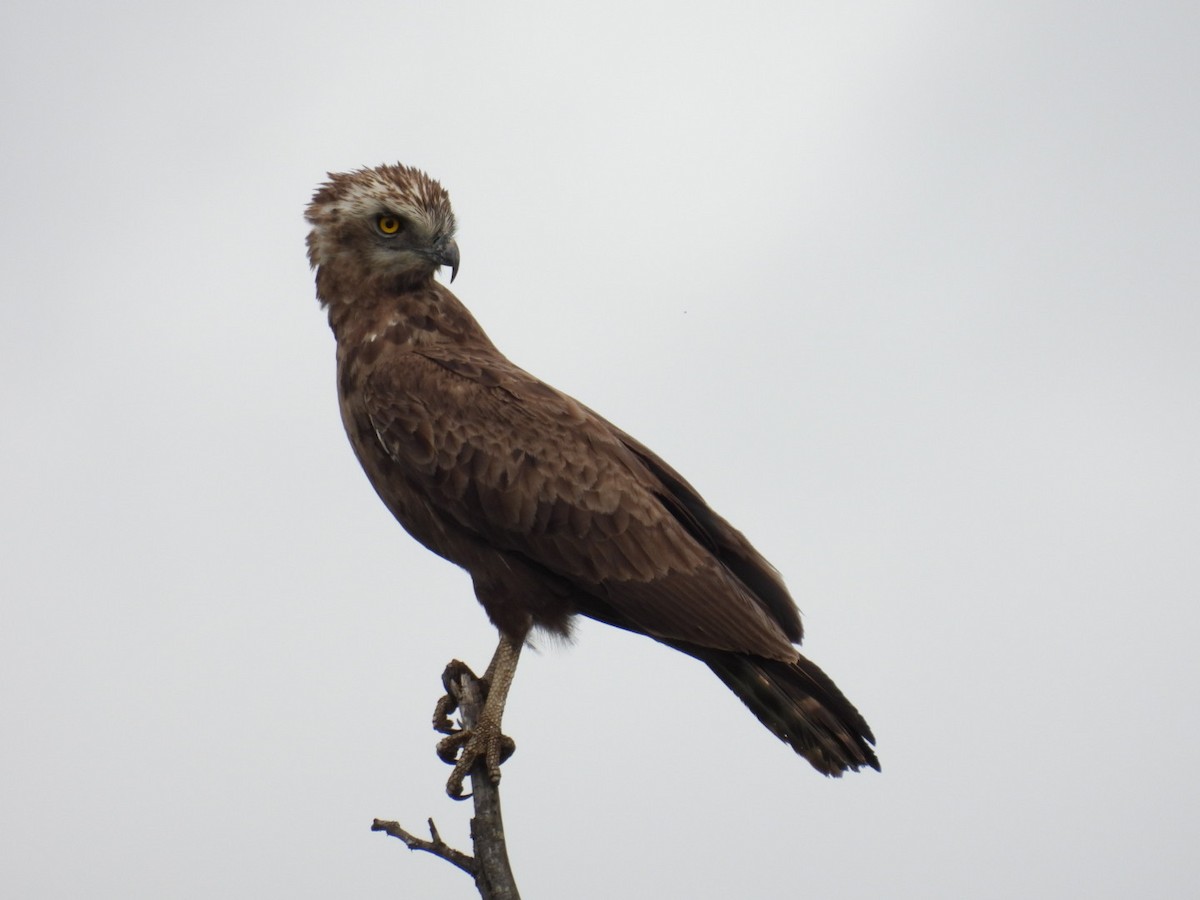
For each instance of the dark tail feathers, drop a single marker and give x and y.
(801, 705)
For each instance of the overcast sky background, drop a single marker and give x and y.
(908, 291)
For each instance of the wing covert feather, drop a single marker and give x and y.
(532, 472)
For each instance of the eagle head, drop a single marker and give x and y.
(391, 226)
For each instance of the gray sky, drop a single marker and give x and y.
(909, 291)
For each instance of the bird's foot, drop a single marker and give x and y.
(468, 746)
(464, 747)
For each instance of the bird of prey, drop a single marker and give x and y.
(552, 510)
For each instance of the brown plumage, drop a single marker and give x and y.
(551, 509)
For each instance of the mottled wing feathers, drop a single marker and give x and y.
(533, 473)
(727, 543)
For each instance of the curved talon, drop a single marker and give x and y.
(448, 747)
(448, 702)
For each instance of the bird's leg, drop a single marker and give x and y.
(481, 741)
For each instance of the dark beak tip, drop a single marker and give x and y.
(450, 258)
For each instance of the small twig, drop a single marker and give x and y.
(437, 846)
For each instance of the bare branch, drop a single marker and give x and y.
(494, 877)
(436, 846)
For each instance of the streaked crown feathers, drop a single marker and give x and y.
(387, 189)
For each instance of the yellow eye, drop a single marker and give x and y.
(388, 224)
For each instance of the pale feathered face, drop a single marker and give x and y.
(390, 223)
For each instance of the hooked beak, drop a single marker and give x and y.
(448, 256)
